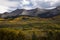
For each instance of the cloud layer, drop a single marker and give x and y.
(5, 5)
(10, 5)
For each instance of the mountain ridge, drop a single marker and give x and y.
(34, 12)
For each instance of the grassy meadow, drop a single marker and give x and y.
(30, 28)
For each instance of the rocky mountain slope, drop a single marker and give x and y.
(43, 13)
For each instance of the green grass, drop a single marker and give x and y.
(34, 34)
(30, 28)
(31, 22)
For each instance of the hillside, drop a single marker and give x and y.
(27, 27)
(30, 28)
(31, 22)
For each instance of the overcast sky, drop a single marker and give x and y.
(10, 5)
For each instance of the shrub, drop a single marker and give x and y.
(10, 35)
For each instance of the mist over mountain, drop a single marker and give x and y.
(11, 5)
(43, 13)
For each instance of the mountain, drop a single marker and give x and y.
(33, 12)
(12, 14)
(50, 13)
(20, 12)
(29, 12)
(43, 13)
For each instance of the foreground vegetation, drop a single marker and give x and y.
(30, 28)
(12, 34)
